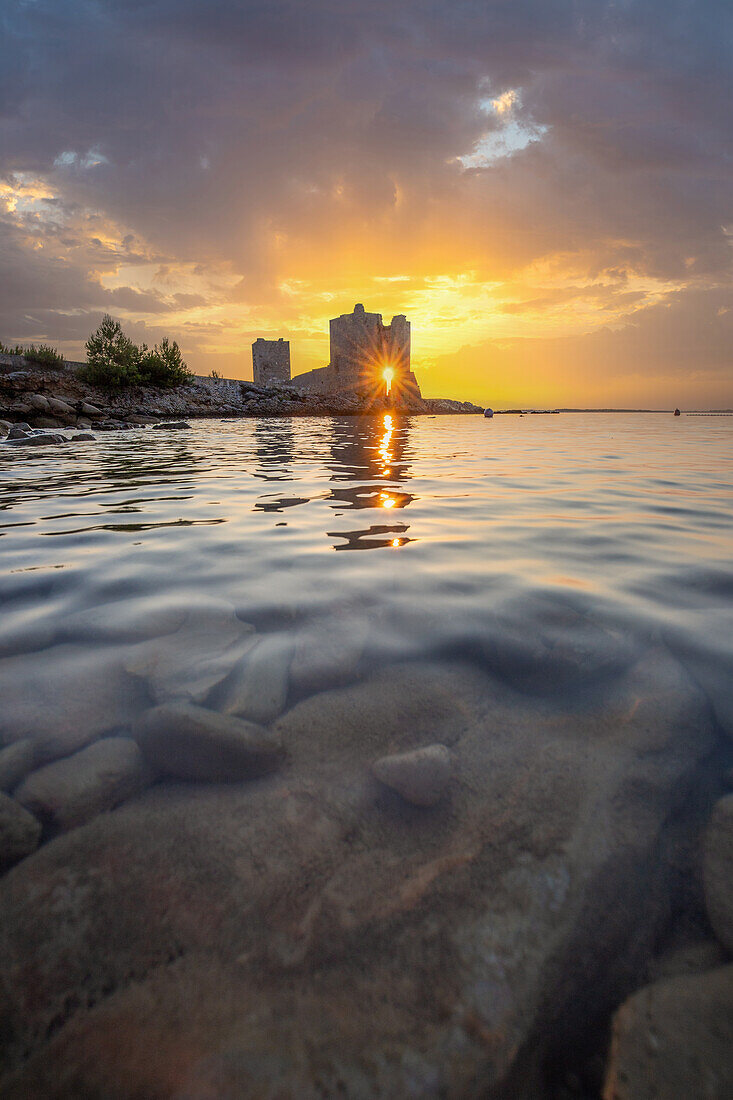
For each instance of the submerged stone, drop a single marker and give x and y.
(328, 653)
(420, 777)
(20, 832)
(69, 792)
(258, 685)
(718, 871)
(190, 742)
(333, 914)
(63, 697)
(187, 663)
(674, 1039)
(15, 763)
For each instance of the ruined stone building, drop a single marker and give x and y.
(363, 348)
(270, 361)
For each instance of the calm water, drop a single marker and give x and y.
(499, 541)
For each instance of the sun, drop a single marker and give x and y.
(388, 375)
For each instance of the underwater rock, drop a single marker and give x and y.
(674, 1039)
(257, 687)
(187, 663)
(420, 777)
(718, 870)
(190, 742)
(401, 953)
(63, 697)
(15, 763)
(19, 832)
(69, 792)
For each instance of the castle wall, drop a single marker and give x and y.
(361, 347)
(270, 361)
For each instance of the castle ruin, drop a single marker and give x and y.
(367, 356)
(270, 361)
(362, 349)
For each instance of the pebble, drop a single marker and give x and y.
(420, 776)
(72, 791)
(174, 424)
(190, 742)
(82, 437)
(20, 832)
(15, 763)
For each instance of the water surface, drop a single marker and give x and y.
(475, 538)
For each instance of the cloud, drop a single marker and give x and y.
(233, 168)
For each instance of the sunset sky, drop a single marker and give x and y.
(544, 187)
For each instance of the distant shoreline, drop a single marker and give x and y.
(546, 412)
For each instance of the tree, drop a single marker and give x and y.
(164, 365)
(114, 361)
(112, 357)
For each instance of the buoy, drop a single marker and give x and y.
(488, 412)
(677, 412)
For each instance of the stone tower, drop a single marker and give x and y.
(270, 361)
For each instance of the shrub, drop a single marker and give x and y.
(164, 365)
(44, 355)
(113, 361)
(7, 350)
(215, 374)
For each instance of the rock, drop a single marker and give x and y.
(49, 422)
(557, 650)
(718, 870)
(61, 409)
(692, 958)
(420, 776)
(15, 763)
(19, 431)
(82, 437)
(5, 427)
(38, 401)
(286, 935)
(173, 424)
(63, 697)
(43, 440)
(327, 653)
(90, 411)
(132, 619)
(69, 792)
(19, 832)
(189, 742)
(82, 422)
(674, 1039)
(187, 664)
(257, 687)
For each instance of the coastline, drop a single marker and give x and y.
(57, 398)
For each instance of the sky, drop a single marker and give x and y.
(544, 187)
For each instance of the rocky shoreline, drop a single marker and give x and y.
(34, 398)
